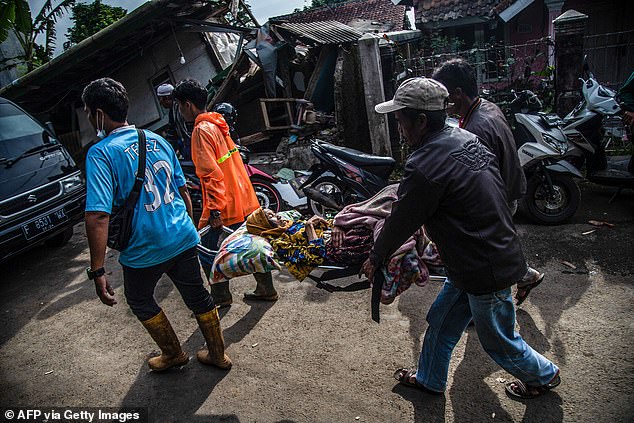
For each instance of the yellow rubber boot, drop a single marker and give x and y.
(214, 355)
(161, 331)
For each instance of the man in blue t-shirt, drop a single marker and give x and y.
(163, 239)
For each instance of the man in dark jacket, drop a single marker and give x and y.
(486, 120)
(176, 134)
(451, 184)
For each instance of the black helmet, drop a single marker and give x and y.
(228, 112)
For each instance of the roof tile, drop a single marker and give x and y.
(441, 10)
(383, 11)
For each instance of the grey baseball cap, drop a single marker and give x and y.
(164, 90)
(417, 93)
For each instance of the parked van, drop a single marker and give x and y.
(42, 191)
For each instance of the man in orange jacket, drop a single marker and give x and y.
(228, 196)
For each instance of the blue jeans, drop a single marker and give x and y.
(494, 318)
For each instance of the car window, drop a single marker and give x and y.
(18, 131)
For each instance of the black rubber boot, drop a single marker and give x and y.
(221, 294)
(264, 290)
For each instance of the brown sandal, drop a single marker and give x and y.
(519, 389)
(523, 291)
(407, 377)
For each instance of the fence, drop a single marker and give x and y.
(499, 68)
(610, 56)
(528, 66)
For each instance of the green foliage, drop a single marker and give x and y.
(27, 29)
(13, 14)
(444, 44)
(88, 19)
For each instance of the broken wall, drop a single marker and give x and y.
(352, 121)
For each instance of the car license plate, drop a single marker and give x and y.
(296, 183)
(44, 223)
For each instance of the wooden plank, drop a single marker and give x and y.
(265, 114)
(253, 138)
(374, 94)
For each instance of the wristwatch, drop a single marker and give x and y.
(92, 274)
(215, 214)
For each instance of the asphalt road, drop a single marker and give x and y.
(317, 357)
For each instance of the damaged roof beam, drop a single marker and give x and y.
(197, 25)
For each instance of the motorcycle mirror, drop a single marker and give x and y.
(51, 128)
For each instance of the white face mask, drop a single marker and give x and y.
(101, 133)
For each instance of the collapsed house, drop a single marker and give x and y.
(162, 41)
(320, 68)
(288, 80)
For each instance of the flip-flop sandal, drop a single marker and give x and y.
(527, 289)
(519, 389)
(406, 376)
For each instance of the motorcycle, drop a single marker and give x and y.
(552, 195)
(584, 128)
(343, 176)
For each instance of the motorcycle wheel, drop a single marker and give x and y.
(268, 196)
(553, 209)
(331, 187)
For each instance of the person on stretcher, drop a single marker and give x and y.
(299, 244)
(304, 244)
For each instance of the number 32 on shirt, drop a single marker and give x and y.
(151, 188)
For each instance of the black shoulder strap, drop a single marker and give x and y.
(140, 174)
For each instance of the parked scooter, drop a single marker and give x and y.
(343, 176)
(552, 196)
(583, 127)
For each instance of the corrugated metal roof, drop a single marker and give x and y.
(326, 32)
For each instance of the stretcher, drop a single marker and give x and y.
(323, 274)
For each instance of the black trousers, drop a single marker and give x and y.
(183, 270)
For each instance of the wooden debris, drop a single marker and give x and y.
(600, 223)
(567, 263)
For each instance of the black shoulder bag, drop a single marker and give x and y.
(120, 226)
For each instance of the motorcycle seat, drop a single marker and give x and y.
(357, 157)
